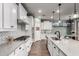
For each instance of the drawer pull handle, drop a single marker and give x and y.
(54, 47)
(20, 48)
(12, 26)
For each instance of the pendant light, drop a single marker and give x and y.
(75, 11)
(53, 16)
(59, 5)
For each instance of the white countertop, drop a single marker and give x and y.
(68, 46)
(6, 49)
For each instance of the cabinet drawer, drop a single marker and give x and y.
(55, 50)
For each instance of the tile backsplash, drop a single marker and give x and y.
(3, 36)
(14, 34)
(63, 30)
(19, 32)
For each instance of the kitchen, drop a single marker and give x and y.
(39, 29)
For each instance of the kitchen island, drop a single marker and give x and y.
(63, 47)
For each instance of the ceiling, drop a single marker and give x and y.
(67, 9)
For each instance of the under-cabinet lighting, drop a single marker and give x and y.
(59, 21)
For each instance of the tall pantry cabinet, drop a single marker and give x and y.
(8, 16)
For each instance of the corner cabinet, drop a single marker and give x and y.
(8, 15)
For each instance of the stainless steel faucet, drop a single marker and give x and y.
(58, 34)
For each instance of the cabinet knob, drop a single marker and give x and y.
(12, 26)
(54, 47)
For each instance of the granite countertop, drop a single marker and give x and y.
(69, 46)
(7, 48)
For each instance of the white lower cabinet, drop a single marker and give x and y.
(20, 51)
(28, 45)
(12, 54)
(50, 47)
(54, 50)
(23, 49)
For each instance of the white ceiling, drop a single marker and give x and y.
(47, 8)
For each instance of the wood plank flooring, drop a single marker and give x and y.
(39, 48)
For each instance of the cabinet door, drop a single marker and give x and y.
(12, 54)
(50, 47)
(13, 15)
(0, 15)
(22, 12)
(21, 51)
(55, 51)
(18, 51)
(7, 15)
(10, 15)
(27, 44)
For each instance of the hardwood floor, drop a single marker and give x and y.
(39, 48)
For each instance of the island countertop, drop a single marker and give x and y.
(69, 46)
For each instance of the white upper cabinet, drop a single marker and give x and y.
(22, 14)
(14, 15)
(0, 15)
(8, 17)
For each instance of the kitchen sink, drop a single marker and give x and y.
(55, 38)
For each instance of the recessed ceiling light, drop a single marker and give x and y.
(39, 11)
(51, 17)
